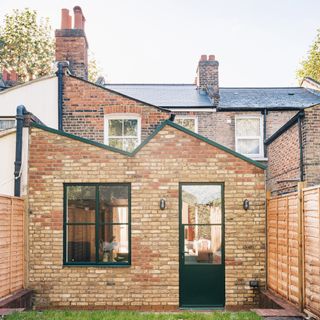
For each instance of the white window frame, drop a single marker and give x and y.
(185, 116)
(121, 116)
(261, 146)
(10, 119)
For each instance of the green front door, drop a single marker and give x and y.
(202, 269)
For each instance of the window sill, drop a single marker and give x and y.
(68, 265)
(258, 158)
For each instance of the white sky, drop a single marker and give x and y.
(257, 42)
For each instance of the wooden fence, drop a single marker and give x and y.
(293, 232)
(11, 245)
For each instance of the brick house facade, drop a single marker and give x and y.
(294, 152)
(156, 158)
(151, 282)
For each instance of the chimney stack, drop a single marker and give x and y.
(72, 44)
(208, 77)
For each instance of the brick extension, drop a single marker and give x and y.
(152, 281)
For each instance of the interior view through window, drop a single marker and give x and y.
(97, 224)
(202, 223)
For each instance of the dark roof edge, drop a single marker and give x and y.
(285, 127)
(160, 127)
(189, 107)
(258, 108)
(118, 93)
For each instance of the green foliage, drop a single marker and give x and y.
(26, 45)
(310, 67)
(122, 315)
(94, 69)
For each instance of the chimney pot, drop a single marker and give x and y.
(65, 19)
(212, 57)
(203, 57)
(79, 19)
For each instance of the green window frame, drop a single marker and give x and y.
(101, 218)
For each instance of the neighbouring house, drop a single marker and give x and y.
(41, 97)
(149, 196)
(294, 152)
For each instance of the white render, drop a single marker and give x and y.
(39, 96)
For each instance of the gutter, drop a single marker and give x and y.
(235, 109)
(21, 111)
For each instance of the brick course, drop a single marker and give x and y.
(152, 281)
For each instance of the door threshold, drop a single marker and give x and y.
(193, 308)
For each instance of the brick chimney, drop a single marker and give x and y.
(208, 77)
(72, 44)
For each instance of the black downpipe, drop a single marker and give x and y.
(265, 112)
(300, 144)
(21, 111)
(60, 94)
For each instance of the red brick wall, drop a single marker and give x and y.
(152, 281)
(85, 105)
(311, 145)
(284, 161)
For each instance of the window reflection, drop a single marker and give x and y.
(202, 219)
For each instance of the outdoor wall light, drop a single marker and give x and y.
(254, 284)
(162, 204)
(246, 204)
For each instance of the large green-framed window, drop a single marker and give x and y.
(97, 224)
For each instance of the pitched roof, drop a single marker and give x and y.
(138, 148)
(187, 95)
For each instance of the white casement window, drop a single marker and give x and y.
(7, 123)
(122, 131)
(249, 135)
(189, 122)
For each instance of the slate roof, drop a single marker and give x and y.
(186, 95)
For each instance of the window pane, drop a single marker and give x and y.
(248, 146)
(248, 127)
(81, 204)
(81, 243)
(7, 124)
(187, 123)
(115, 127)
(201, 204)
(202, 244)
(114, 204)
(114, 243)
(116, 143)
(129, 144)
(130, 127)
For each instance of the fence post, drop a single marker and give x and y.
(268, 197)
(301, 185)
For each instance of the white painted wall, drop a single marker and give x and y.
(8, 150)
(40, 97)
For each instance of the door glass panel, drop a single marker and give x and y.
(202, 220)
(201, 204)
(202, 244)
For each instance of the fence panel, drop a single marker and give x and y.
(11, 245)
(293, 231)
(311, 203)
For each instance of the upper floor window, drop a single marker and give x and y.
(7, 123)
(187, 122)
(123, 131)
(249, 136)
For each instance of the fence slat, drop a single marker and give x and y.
(11, 244)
